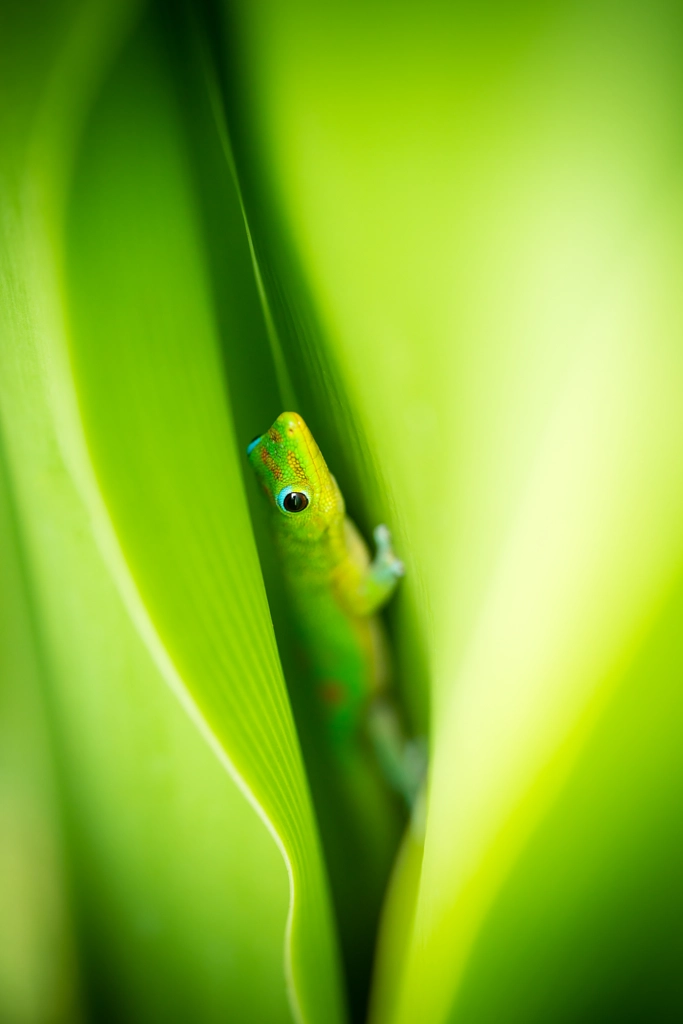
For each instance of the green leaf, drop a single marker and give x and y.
(165, 690)
(38, 970)
(482, 203)
(597, 890)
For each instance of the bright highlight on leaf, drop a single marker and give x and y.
(451, 237)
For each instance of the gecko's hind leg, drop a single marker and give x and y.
(403, 761)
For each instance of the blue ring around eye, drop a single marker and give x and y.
(291, 489)
(252, 444)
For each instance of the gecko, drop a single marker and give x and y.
(335, 591)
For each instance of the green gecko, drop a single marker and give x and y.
(335, 591)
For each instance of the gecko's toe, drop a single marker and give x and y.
(382, 536)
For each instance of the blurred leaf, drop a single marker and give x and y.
(38, 972)
(598, 886)
(484, 205)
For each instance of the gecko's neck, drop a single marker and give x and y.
(317, 555)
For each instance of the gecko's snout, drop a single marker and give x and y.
(289, 424)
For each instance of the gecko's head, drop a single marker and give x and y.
(294, 475)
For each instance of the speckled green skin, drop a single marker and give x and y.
(334, 588)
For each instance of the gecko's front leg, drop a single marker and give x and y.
(372, 589)
(385, 568)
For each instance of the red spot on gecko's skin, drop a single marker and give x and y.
(332, 693)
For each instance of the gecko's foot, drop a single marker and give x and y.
(415, 761)
(403, 762)
(385, 551)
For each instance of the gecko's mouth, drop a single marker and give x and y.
(252, 444)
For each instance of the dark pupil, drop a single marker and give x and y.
(295, 501)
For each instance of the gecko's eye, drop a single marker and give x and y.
(291, 500)
(295, 501)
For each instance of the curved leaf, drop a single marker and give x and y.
(140, 545)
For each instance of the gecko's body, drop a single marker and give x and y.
(335, 591)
